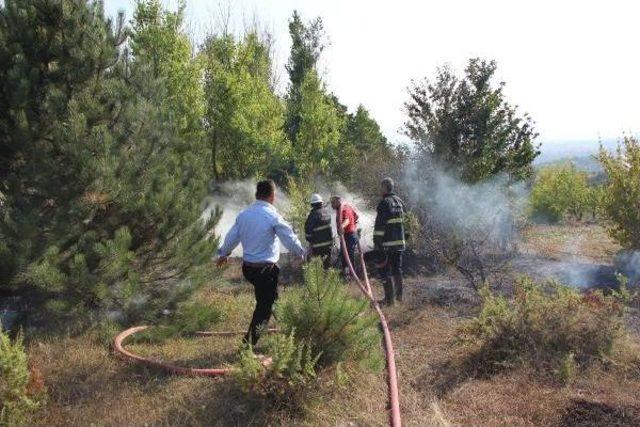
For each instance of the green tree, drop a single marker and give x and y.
(361, 143)
(561, 191)
(319, 133)
(102, 209)
(243, 114)
(467, 126)
(159, 42)
(621, 198)
(307, 43)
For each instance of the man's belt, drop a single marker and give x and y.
(259, 264)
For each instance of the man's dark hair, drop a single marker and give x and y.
(265, 189)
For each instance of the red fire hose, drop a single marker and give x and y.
(365, 287)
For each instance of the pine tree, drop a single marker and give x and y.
(102, 207)
(307, 43)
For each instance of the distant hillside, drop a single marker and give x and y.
(581, 153)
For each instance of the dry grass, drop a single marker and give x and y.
(88, 385)
(575, 242)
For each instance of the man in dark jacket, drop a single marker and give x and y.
(318, 232)
(389, 241)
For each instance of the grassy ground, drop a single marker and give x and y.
(88, 386)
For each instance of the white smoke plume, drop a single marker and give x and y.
(366, 215)
(233, 197)
(485, 208)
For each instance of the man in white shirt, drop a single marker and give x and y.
(258, 229)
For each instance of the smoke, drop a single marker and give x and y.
(628, 264)
(232, 198)
(487, 209)
(366, 216)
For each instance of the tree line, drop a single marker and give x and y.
(111, 133)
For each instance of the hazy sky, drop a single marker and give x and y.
(573, 65)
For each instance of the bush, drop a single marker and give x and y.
(283, 380)
(335, 325)
(18, 397)
(550, 329)
(562, 191)
(621, 201)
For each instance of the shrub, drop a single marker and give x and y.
(550, 329)
(621, 201)
(17, 396)
(283, 380)
(335, 325)
(561, 191)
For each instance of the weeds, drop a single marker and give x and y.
(187, 320)
(21, 392)
(558, 329)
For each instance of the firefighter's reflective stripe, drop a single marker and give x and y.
(394, 226)
(378, 232)
(394, 243)
(321, 245)
(322, 227)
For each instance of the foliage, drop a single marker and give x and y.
(307, 43)
(284, 377)
(335, 325)
(159, 42)
(467, 125)
(244, 116)
(547, 328)
(621, 201)
(18, 399)
(98, 179)
(562, 191)
(362, 145)
(187, 320)
(299, 191)
(317, 141)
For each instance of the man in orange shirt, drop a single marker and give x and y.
(347, 225)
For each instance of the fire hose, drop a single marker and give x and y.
(365, 287)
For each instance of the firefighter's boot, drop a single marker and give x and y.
(388, 291)
(398, 281)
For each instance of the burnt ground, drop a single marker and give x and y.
(87, 385)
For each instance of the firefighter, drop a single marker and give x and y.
(347, 225)
(318, 231)
(389, 241)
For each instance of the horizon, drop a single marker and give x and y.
(548, 74)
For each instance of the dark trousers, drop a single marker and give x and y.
(392, 264)
(265, 284)
(325, 254)
(351, 239)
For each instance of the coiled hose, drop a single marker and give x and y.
(365, 287)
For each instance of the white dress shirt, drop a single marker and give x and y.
(257, 228)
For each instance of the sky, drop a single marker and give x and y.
(572, 65)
